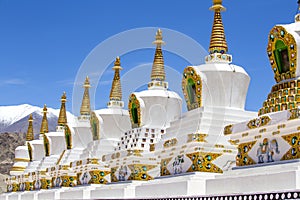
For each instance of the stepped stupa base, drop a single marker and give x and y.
(280, 179)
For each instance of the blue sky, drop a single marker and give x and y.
(44, 43)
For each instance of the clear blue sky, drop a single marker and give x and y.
(43, 43)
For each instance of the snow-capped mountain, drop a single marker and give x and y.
(15, 118)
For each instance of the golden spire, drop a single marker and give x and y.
(62, 119)
(44, 125)
(218, 42)
(29, 135)
(116, 91)
(85, 105)
(158, 69)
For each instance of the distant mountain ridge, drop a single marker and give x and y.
(15, 118)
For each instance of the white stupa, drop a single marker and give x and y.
(215, 150)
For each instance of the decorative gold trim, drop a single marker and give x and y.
(69, 181)
(280, 33)
(283, 96)
(242, 157)
(60, 157)
(258, 122)
(29, 151)
(245, 134)
(22, 160)
(18, 168)
(46, 183)
(64, 167)
(28, 186)
(152, 147)
(262, 130)
(129, 153)
(140, 172)
(234, 142)
(137, 152)
(68, 137)
(228, 129)
(46, 146)
(257, 137)
(227, 151)
(276, 133)
(203, 162)
(163, 166)
(219, 146)
(133, 100)
(170, 143)
(113, 174)
(190, 74)
(294, 151)
(95, 126)
(98, 177)
(15, 187)
(118, 154)
(93, 161)
(294, 114)
(197, 137)
(281, 126)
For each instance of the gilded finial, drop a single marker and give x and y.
(217, 6)
(62, 119)
(158, 69)
(87, 82)
(218, 42)
(64, 97)
(158, 38)
(117, 64)
(30, 118)
(45, 108)
(44, 125)
(116, 90)
(29, 135)
(85, 104)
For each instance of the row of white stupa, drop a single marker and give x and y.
(154, 150)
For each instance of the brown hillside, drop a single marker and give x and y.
(8, 143)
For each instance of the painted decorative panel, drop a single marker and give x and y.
(69, 181)
(203, 162)
(294, 142)
(28, 186)
(46, 183)
(282, 52)
(95, 126)
(134, 110)
(98, 176)
(192, 88)
(139, 172)
(263, 150)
